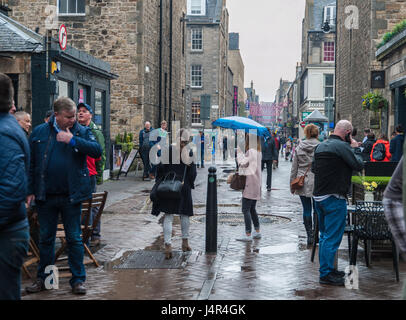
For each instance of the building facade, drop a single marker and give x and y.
(144, 42)
(356, 57)
(317, 82)
(236, 64)
(207, 70)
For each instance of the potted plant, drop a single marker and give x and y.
(369, 190)
(374, 101)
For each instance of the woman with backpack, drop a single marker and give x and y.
(250, 166)
(380, 151)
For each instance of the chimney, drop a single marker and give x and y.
(4, 9)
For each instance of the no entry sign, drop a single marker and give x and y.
(63, 37)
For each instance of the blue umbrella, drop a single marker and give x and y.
(241, 123)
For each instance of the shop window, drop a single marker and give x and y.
(71, 7)
(83, 94)
(99, 106)
(65, 89)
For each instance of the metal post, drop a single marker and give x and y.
(211, 212)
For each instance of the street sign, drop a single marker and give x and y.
(63, 37)
(303, 124)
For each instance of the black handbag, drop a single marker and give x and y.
(170, 189)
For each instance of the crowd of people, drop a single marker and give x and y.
(53, 169)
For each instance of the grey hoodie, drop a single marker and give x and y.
(302, 159)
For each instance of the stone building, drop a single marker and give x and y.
(143, 40)
(237, 66)
(207, 70)
(356, 55)
(282, 101)
(318, 57)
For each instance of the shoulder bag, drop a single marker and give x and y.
(298, 183)
(238, 182)
(170, 188)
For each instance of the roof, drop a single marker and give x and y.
(214, 10)
(316, 116)
(15, 37)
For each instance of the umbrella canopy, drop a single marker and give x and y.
(241, 123)
(316, 116)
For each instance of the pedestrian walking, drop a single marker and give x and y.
(367, 146)
(381, 150)
(278, 148)
(288, 149)
(302, 161)
(14, 167)
(24, 120)
(269, 156)
(225, 157)
(334, 162)
(250, 166)
(59, 182)
(283, 145)
(145, 146)
(182, 207)
(396, 144)
(95, 166)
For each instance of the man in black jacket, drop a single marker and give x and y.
(14, 165)
(334, 162)
(269, 156)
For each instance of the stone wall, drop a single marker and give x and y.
(356, 53)
(237, 66)
(124, 33)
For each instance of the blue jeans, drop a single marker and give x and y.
(13, 250)
(48, 212)
(332, 214)
(307, 206)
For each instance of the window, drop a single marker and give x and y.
(328, 85)
(196, 113)
(99, 104)
(83, 94)
(197, 39)
(196, 7)
(196, 77)
(330, 15)
(71, 7)
(329, 52)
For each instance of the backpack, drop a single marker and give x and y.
(379, 152)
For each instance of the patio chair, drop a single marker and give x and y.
(369, 224)
(98, 201)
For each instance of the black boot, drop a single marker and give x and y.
(308, 225)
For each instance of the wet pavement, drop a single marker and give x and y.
(275, 267)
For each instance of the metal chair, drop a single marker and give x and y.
(369, 224)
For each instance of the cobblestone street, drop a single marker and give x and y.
(275, 267)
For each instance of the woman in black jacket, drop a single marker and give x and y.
(184, 206)
(366, 147)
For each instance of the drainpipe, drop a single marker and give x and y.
(160, 63)
(170, 64)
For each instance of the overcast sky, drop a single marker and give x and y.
(270, 40)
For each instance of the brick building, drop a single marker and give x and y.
(356, 55)
(207, 71)
(143, 40)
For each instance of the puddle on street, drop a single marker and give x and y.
(285, 248)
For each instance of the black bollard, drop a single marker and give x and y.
(211, 212)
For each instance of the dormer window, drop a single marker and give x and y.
(329, 15)
(196, 7)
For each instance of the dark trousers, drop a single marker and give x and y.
(268, 164)
(145, 160)
(48, 212)
(13, 250)
(308, 205)
(250, 214)
(96, 230)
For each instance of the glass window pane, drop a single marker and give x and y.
(71, 6)
(63, 89)
(81, 6)
(329, 80)
(63, 6)
(98, 108)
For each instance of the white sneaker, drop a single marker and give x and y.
(245, 238)
(256, 235)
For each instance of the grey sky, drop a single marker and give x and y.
(270, 40)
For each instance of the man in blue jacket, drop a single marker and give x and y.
(14, 165)
(396, 144)
(59, 181)
(145, 146)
